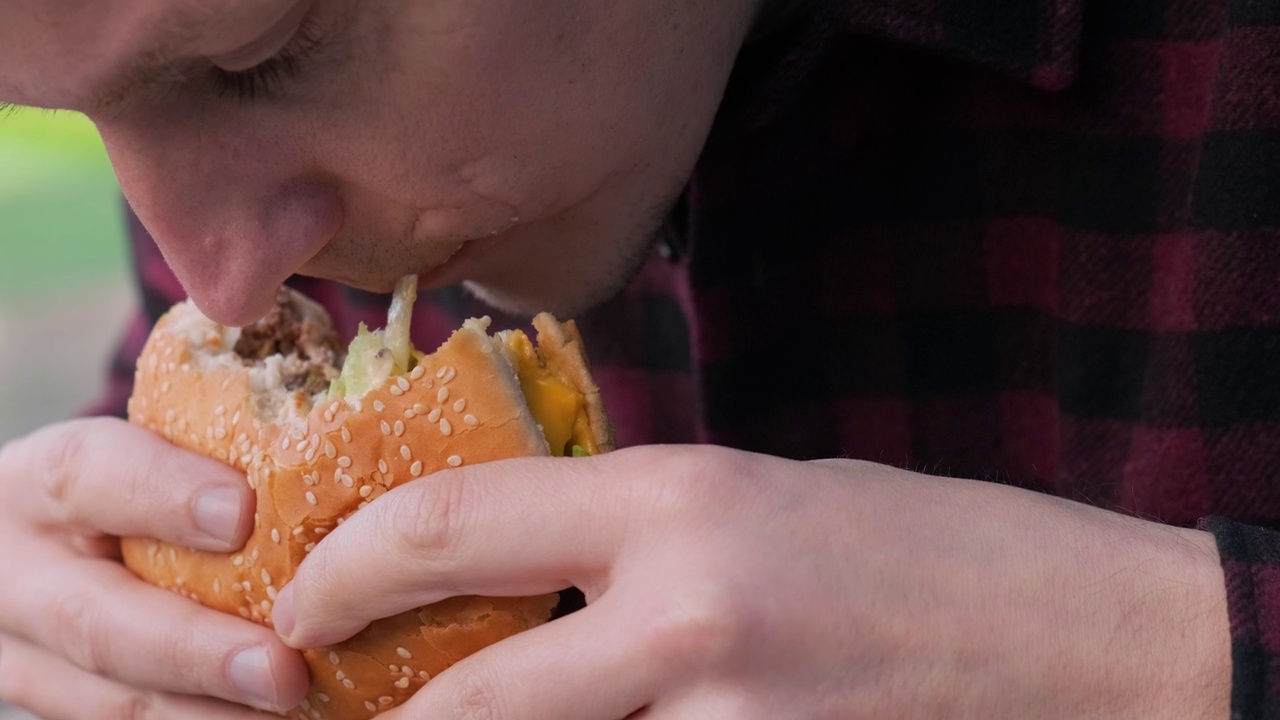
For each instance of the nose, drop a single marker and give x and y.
(234, 216)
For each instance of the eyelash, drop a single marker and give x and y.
(266, 80)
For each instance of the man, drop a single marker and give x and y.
(1009, 241)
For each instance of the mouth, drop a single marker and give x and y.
(460, 264)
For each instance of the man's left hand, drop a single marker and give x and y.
(722, 584)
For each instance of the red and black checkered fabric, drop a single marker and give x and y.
(1028, 241)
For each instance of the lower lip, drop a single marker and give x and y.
(459, 265)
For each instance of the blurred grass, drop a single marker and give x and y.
(61, 216)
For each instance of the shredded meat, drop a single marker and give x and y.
(311, 352)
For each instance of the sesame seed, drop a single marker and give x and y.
(402, 652)
(445, 427)
(454, 461)
(402, 683)
(362, 504)
(379, 405)
(284, 443)
(217, 586)
(237, 587)
(309, 547)
(244, 613)
(420, 408)
(311, 498)
(237, 560)
(311, 454)
(321, 531)
(271, 592)
(333, 658)
(299, 447)
(442, 394)
(322, 697)
(460, 405)
(266, 605)
(423, 674)
(346, 434)
(254, 555)
(417, 373)
(266, 577)
(365, 490)
(337, 475)
(386, 699)
(434, 415)
(328, 416)
(344, 462)
(395, 390)
(275, 535)
(382, 467)
(346, 683)
(443, 369)
(164, 386)
(220, 410)
(220, 434)
(169, 416)
(400, 428)
(348, 480)
(329, 450)
(235, 419)
(405, 452)
(370, 706)
(340, 674)
(416, 468)
(386, 429)
(403, 384)
(409, 414)
(470, 419)
(394, 668)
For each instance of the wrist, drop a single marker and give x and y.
(1179, 612)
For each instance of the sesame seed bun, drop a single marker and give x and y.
(314, 461)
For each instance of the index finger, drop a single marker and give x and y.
(106, 476)
(508, 528)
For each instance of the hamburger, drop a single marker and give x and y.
(321, 430)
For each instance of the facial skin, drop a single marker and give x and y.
(544, 140)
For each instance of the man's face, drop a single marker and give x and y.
(529, 148)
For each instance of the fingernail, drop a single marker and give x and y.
(282, 615)
(250, 674)
(218, 513)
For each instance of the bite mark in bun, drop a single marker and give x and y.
(319, 436)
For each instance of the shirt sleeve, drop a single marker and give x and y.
(1251, 562)
(158, 290)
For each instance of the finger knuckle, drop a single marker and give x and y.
(80, 631)
(61, 478)
(435, 518)
(477, 698)
(134, 705)
(698, 628)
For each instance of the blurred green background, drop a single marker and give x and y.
(64, 280)
(60, 210)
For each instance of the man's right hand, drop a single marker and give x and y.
(81, 636)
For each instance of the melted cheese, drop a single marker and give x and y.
(556, 405)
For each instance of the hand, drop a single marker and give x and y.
(81, 636)
(722, 584)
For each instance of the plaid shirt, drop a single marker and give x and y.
(1028, 241)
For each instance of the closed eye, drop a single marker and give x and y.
(267, 80)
